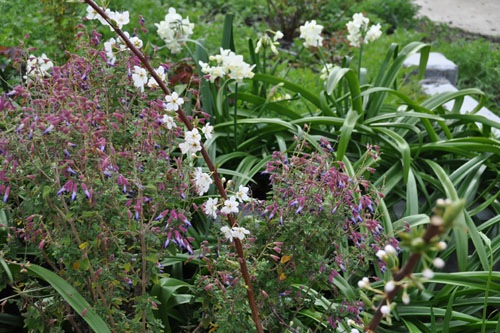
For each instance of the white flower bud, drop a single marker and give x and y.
(385, 310)
(381, 254)
(437, 220)
(405, 298)
(428, 273)
(389, 286)
(441, 246)
(389, 249)
(364, 283)
(438, 263)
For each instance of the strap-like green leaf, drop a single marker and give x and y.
(70, 295)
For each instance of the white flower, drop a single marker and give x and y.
(278, 35)
(359, 32)
(207, 130)
(121, 19)
(192, 136)
(38, 66)
(110, 14)
(242, 194)
(191, 142)
(173, 102)
(385, 310)
(140, 77)
(364, 283)
(428, 273)
(311, 33)
(325, 71)
(228, 64)
(211, 207)
(389, 249)
(235, 232)
(354, 330)
(227, 232)
(136, 41)
(202, 181)
(239, 232)
(381, 254)
(162, 74)
(230, 206)
(373, 33)
(91, 13)
(438, 263)
(109, 47)
(174, 30)
(265, 41)
(168, 121)
(389, 286)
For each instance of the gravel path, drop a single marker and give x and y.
(476, 16)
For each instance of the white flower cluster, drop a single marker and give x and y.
(140, 78)
(265, 41)
(174, 30)
(192, 139)
(231, 205)
(311, 33)
(234, 232)
(359, 32)
(38, 66)
(228, 64)
(112, 46)
(120, 19)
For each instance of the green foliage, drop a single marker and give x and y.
(93, 175)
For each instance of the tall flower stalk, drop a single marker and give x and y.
(218, 182)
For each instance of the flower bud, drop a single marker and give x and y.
(438, 263)
(385, 310)
(441, 246)
(389, 286)
(428, 273)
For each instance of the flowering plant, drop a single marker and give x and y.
(108, 179)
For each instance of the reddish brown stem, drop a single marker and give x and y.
(218, 182)
(431, 232)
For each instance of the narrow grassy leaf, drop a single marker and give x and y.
(412, 203)
(345, 133)
(71, 296)
(336, 76)
(227, 34)
(401, 146)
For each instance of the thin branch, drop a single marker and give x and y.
(218, 182)
(431, 232)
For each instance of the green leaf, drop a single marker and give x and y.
(71, 296)
(227, 33)
(336, 75)
(345, 133)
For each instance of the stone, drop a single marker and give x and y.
(437, 66)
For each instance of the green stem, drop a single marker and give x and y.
(235, 119)
(359, 61)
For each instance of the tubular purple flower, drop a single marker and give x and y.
(48, 129)
(88, 194)
(74, 190)
(162, 215)
(6, 194)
